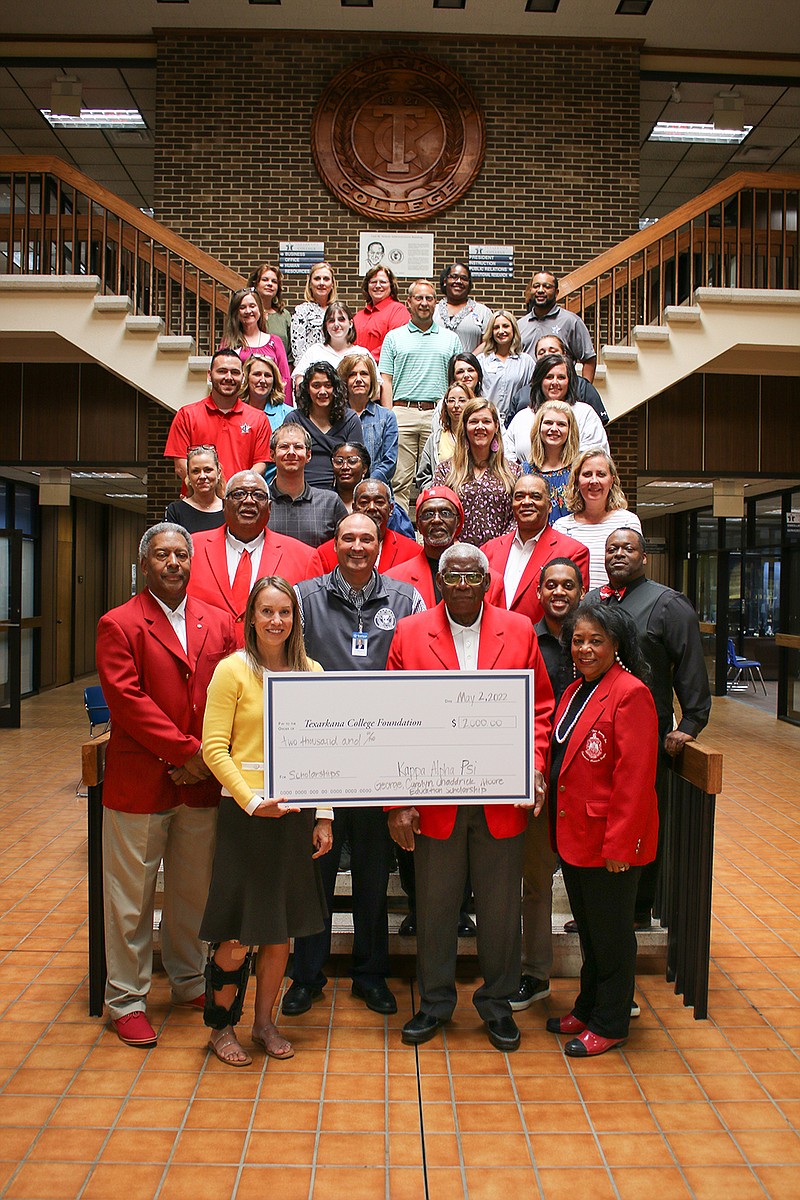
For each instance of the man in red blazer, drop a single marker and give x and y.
(464, 632)
(373, 497)
(155, 656)
(229, 560)
(440, 519)
(517, 558)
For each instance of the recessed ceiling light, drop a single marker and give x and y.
(101, 475)
(543, 6)
(678, 483)
(692, 131)
(449, 3)
(97, 118)
(263, 1)
(356, 3)
(633, 8)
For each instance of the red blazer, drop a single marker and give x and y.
(397, 548)
(157, 696)
(424, 643)
(551, 544)
(281, 555)
(417, 572)
(605, 805)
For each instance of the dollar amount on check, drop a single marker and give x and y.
(385, 737)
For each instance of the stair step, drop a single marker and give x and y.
(199, 364)
(775, 296)
(113, 304)
(175, 344)
(151, 325)
(683, 314)
(651, 333)
(620, 354)
(49, 283)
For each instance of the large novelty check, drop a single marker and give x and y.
(385, 737)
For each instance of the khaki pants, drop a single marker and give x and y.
(414, 427)
(133, 846)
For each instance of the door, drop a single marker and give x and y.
(10, 630)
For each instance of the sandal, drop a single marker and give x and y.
(274, 1044)
(227, 1045)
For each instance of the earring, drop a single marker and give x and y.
(495, 446)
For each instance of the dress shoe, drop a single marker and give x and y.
(134, 1029)
(466, 926)
(299, 998)
(590, 1044)
(503, 1034)
(376, 996)
(421, 1028)
(198, 1002)
(530, 989)
(571, 926)
(635, 1010)
(567, 1024)
(408, 926)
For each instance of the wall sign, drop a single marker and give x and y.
(409, 255)
(491, 262)
(399, 140)
(297, 258)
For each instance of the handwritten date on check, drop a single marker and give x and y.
(386, 737)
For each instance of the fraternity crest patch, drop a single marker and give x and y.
(385, 619)
(594, 748)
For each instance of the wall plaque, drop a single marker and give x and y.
(398, 141)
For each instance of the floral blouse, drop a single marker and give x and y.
(558, 481)
(306, 326)
(486, 503)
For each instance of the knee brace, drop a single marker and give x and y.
(214, 1015)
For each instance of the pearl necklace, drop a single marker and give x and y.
(561, 734)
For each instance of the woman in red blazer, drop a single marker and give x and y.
(604, 815)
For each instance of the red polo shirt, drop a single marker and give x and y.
(240, 435)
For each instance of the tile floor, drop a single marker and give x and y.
(688, 1109)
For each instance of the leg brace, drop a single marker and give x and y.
(214, 1015)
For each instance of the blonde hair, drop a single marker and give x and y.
(461, 465)
(295, 647)
(572, 493)
(277, 395)
(349, 363)
(572, 444)
(309, 295)
(488, 345)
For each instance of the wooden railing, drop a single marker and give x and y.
(56, 221)
(742, 233)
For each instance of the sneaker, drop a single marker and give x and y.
(635, 1010)
(530, 989)
(134, 1029)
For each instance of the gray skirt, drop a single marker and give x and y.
(265, 886)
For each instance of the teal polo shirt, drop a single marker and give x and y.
(417, 361)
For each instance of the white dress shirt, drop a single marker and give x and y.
(518, 558)
(176, 618)
(234, 549)
(467, 639)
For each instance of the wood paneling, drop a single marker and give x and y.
(108, 432)
(47, 582)
(731, 424)
(10, 412)
(675, 433)
(780, 425)
(125, 531)
(50, 413)
(89, 580)
(63, 605)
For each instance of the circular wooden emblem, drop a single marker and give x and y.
(401, 141)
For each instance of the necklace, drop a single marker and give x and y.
(561, 734)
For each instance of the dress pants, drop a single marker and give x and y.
(602, 904)
(537, 899)
(645, 897)
(495, 867)
(413, 426)
(133, 846)
(367, 831)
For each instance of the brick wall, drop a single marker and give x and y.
(162, 483)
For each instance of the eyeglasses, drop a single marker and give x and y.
(453, 578)
(446, 514)
(352, 461)
(239, 494)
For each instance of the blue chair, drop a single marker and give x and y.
(750, 667)
(96, 709)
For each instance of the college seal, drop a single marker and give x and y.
(385, 619)
(400, 141)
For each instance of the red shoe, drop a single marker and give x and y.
(590, 1044)
(199, 1002)
(567, 1024)
(134, 1029)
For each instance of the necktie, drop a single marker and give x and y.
(606, 592)
(241, 584)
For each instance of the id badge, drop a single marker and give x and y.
(359, 645)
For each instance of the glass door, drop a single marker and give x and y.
(10, 631)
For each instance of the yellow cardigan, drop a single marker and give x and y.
(233, 729)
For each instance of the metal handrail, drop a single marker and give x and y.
(743, 232)
(60, 222)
